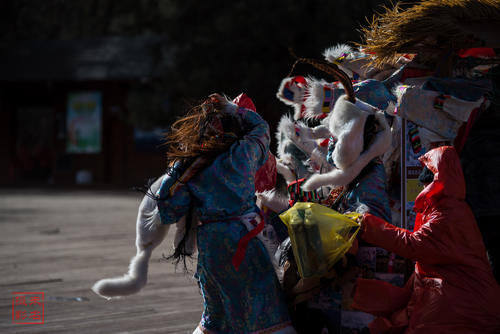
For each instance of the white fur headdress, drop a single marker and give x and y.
(321, 98)
(292, 92)
(350, 60)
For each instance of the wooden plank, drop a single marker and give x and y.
(62, 242)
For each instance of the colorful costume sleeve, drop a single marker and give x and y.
(172, 208)
(253, 148)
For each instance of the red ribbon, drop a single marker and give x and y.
(239, 255)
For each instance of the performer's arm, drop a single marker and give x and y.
(172, 208)
(253, 148)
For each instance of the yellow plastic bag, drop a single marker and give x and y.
(320, 236)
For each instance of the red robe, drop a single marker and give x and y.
(452, 289)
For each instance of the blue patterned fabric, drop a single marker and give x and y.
(374, 93)
(371, 91)
(371, 191)
(241, 301)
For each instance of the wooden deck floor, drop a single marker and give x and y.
(61, 242)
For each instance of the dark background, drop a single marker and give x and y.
(151, 60)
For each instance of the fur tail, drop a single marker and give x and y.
(131, 282)
(149, 234)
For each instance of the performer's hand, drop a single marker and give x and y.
(222, 103)
(218, 101)
(216, 97)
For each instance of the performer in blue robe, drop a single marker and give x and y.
(241, 292)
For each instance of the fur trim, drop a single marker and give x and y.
(302, 137)
(286, 126)
(349, 59)
(298, 90)
(318, 160)
(283, 169)
(286, 147)
(346, 123)
(333, 53)
(342, 177)
(316, 96)
(282, 133)
(314, 100)
(300, 134)
(399, 90)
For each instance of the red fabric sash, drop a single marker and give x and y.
(243, 243)
(239, 255)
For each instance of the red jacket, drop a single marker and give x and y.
(452, 289)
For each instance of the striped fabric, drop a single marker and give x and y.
(296, 194)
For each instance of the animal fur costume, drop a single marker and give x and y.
(292, 92)
(298, 145)
(355, 63)
(149, 235)
(346, 123)
(297, 142)
(299, 151)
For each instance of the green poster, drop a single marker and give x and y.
(83, 122)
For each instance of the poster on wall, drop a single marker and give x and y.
(83, 122)
(412, 150)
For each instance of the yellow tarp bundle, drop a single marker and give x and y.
(320, 236)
